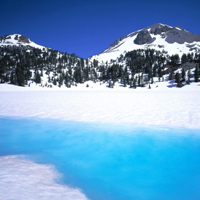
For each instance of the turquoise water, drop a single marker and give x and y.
(111, 161)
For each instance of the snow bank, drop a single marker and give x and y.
(166, 107)
(23, 179)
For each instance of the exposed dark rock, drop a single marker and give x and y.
(194, 48)
(181, 36)
(157, 27)
(23, 39)
(151, 41)
(190, 45)
(161, 46)
(161, 29)
(8, 37)
(5, 37)
(16, 37)
(143, 37)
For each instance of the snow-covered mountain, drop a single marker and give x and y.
(167, 39)
(18, 40)
(24, 63)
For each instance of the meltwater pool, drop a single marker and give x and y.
(110, 161)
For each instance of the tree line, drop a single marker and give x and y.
(21, 64)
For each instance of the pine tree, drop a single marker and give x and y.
(124, 82)
(178, 80)
(175, 59)
(142, 80)
(196, 74)
(139, 81)
(19, 75)
(183, 58)
(60, 80)
(110, 84)
(188, 75)
(150, 75)
(128, 81)
(12, 78)
(170, 75)
(183, 74)
(37, 77)
(159, 72)
(152, 80)
(66, 79)
(134, 83)
(54, 81)
(49, 79)
(176, 77)
(131, 84)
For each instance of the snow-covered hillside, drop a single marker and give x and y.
(18, 40)
(24, 63)
(161, 37)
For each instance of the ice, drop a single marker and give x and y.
(24, 179)
(109, 161)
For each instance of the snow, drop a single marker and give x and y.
(165, 25)
(163, 104)
(24, 179)
(178, 28)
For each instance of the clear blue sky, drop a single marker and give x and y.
(87, 27)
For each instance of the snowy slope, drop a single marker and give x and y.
(17, 39)
(164, 38)
(161, 105)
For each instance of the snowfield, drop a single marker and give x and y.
(161, 105)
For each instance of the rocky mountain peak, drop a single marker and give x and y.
(161, 37)
(15, 39)
(22, 38)
(143, 37)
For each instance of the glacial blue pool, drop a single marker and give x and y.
(110, 161)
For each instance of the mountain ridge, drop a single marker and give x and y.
(136, 60)
(167, 39)
(161, 37)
